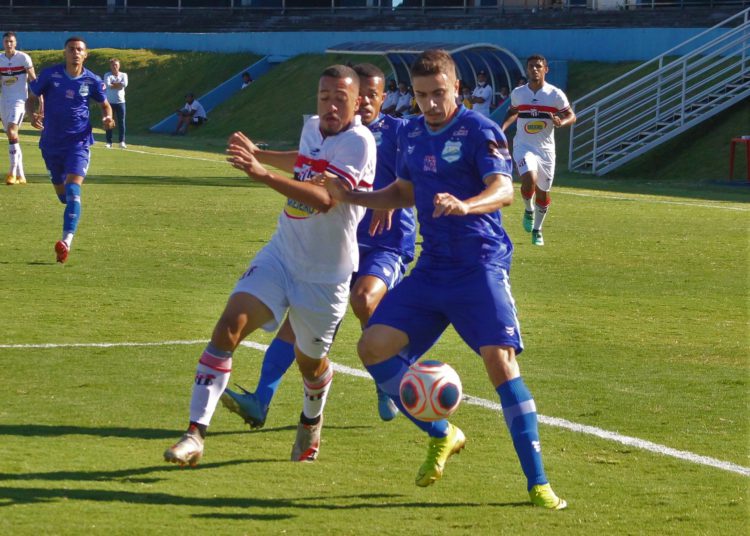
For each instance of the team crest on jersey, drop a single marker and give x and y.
(430, 163)
(451, 151)
(535, 127)
(461, 132)
(83, 91)
(378, 137)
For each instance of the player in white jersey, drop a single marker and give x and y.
(16, 69)
(539, 108)
(305, 268)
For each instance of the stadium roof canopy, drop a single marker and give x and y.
(502, 67)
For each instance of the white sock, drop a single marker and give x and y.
(14, 152)
(316, 393)
(68, 239)
(539, 214)
(211, 378)
(19, 164)
(528, 203)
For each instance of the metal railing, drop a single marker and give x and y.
(662, 98)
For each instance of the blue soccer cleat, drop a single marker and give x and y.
(528, 220)
(386, 407)
(245, 405)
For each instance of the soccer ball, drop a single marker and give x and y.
(430, 390)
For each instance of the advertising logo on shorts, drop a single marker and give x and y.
(535, 127)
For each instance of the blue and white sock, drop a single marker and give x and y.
(520, 417)
(72, 211)
(387, 375)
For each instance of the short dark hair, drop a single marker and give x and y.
(433, 61)
(10, 34)
(75, 38)
(368, 70)
(535, 57)
(340, 72)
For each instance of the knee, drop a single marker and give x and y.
(371, 349)
(363, 304)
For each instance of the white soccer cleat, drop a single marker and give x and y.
(187, 451)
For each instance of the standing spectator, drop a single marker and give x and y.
(540, 108)
(522, 81)
(116, 82)
(66, 136)
(303, 271)
(16, 68)
(192, 113)
(458, 178)
(246, 80)
(481, 97)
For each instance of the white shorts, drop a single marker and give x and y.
(541, 162)
(315, 309)
(12, 112)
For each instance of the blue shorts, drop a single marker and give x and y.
(69, 161)
(388, 266)
(478, 303)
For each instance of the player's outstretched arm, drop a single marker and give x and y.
(283, 160)
(398, 194)
(310, 194)
(497, 194)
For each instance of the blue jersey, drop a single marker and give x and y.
(456, 160)
(402, 235)
(66, 106)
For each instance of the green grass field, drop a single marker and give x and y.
(635, 319)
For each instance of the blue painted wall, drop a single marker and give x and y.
(606, 44)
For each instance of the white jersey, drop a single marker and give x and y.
(483, 92)
(534, 127)
(13, 75)
(322, 247)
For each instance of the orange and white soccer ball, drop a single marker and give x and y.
(430, 390)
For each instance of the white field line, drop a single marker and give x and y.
(475, 401)
(635, 198)
(643, 199)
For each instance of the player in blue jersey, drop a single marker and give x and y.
(386, 246)
(454, 166)
(61, 98)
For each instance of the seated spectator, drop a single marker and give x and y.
(502, 95)
(465, 97)
(192, 113)
(246, 80)
(403, 105)
(391, 99)
(522, 81)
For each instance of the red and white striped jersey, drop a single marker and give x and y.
(322, 247)
(534, 127)
(13, 76)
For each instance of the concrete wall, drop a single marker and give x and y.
(606, 44)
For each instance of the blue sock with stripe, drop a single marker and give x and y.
(520, 417)
(276, 361)
(387, 375)
(72, 208)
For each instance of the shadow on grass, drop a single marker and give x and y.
(10, 496)
(124, 475)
